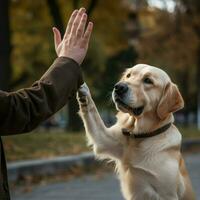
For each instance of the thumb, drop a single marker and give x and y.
(57, 37)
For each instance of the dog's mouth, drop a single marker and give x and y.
(122, 106)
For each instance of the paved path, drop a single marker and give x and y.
(94, 188)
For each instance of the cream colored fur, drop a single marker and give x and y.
(150, 168)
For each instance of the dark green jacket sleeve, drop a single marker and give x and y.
(25, 109)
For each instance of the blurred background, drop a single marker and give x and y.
(163, 33)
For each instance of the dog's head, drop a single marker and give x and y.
(146, 89)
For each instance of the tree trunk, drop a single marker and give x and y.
(74, 123)
(56, 15)
(197, 30)
(90, 8)
(184, 77)
(5, 49)
(198, 86)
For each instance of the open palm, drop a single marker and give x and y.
(76, 39)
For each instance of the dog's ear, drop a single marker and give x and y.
(171, 101)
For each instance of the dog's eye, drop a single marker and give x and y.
(128, 75)
(148, 81)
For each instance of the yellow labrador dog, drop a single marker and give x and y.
(144, 143)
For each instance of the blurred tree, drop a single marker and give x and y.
(90, 7)
(169, 41)
(33, 48)
(74, 122)
(56, 14)
(32, 51)
(190, 11)
(5, 50)
(105, 42)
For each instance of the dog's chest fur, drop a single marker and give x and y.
(147, 167)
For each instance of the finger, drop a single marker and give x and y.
(86, 37)
(71, 21)
(57, 37)
(81, 27)
(77, 21)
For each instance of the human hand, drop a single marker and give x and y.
(76, 39)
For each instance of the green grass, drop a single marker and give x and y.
(189, 132)
(46, 145)
(43, 145)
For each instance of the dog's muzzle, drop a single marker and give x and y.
(120, 91)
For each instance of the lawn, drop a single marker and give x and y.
(41, 144)
(44, 145)
(189, 132)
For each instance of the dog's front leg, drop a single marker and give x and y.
(104, 140)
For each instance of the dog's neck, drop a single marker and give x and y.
(148, 123)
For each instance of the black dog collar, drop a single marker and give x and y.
(148, 134)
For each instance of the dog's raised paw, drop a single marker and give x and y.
(83, 92)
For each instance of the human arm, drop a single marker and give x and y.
(25, 109)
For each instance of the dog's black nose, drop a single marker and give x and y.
(121, 88)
